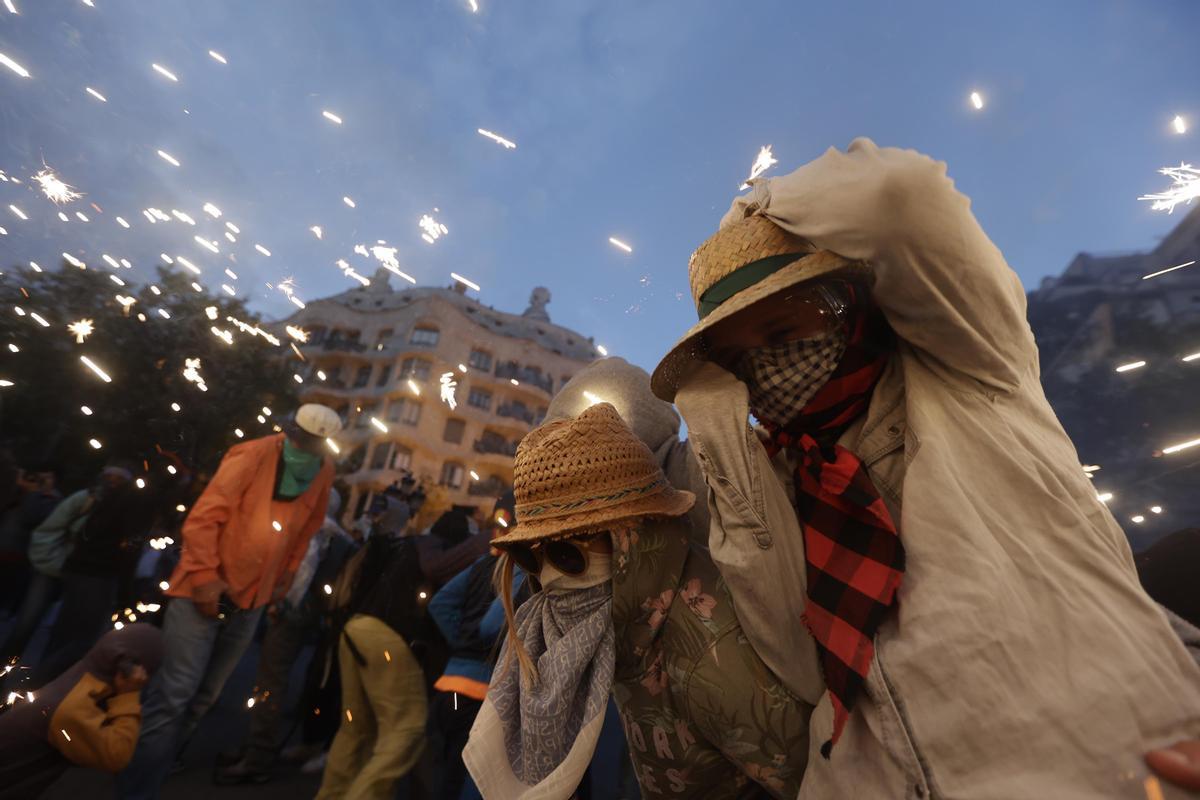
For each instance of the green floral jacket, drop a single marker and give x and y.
(704, 716)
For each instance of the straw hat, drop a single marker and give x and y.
(760, 248)
(577, 475)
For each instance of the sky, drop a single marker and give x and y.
(635, 119)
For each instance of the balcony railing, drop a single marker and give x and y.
(526, 375)
(498, 447)
(344, 346)
(516, 412)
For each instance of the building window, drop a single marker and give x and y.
(362, 377)
(379, 457)
(454, 431)
(480, 398)
(415, 368)
(452, 474)
(411, 414)
(316, 334)
(385, 372)
(424, 336)
(403, 458)
(384, 336)
(480, 359)
(395, 409)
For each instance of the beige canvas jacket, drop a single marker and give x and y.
(1023, 660)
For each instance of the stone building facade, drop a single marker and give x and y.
(432, 381)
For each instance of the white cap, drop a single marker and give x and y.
(318, 420)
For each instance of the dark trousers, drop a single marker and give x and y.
(40, 594)
(449, 729)
(281, 646)
(86, 613)
(321, 703)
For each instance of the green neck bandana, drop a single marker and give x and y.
(299, 469)
(741, 278)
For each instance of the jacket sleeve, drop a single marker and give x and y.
(202, 529)
(446, 606)
(942, 284)
(63, 513)
(94, 737)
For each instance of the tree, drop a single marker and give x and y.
(143, 340)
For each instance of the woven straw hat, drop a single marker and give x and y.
(584, 474)
(734, 246)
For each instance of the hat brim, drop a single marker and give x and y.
(668, 503)
(690, 350)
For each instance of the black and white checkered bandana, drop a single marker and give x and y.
(782, 378)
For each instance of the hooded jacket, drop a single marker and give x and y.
(239, 533)
(1023, 658)
(77, 718)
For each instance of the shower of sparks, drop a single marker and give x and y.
(433, 229)
(211, 210)
(448, 385)
(464, 281)
(167, 157)
(386, 256)
(166, 73)
(348, 201)
(618, 243)
(217, 56)
(508, 145)
(378, 423)
(14, 66)
(87, 362)
(262, 249)
(1132, 365)
(298, 334)
(96, 94)
(332, 117)
(191, 372)
(349, 272)
(1185, 187)
(20, 214)
(81, 329)
(206, 244)
(1180, 124)
(232, 227)
(762, 163)
(1165, 271)
(54, 188)
(316, 229)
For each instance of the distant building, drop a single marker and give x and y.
(380, 358)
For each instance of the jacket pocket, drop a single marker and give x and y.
(896, 734)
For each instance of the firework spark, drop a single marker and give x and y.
(167, 157)
(465, 282)
(299, 334)
(18, 212)
(498, 139)
(1185, 187)
(448, 385)
(349, 272)
(101, 374)
(166, 73)
(262, 249)
(81, 329)
(96, 94)
(9, 5)
(217, 56)
(121, 221)
(977, 101)
(191, 372)
(433, 229)
(1165, 271)
(763, 162)
(14, 66)
(348, 201)
(378, 423)
(211, 210)
(206, 244)
(1179, 124)
(618, 243)
(316, 229)
(332, 117)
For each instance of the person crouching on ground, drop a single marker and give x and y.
(242, 543)
(914, 550)
(88, 717)
(625, 604)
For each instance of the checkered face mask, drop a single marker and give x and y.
(782, 378)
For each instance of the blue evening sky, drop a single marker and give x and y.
(633, 118)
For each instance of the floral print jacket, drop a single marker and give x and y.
(703, 715)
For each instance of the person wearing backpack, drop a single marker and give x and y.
(49, 546)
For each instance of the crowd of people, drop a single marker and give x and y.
(875, 567)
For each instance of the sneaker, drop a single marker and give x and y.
(315, 764)
(240, 773)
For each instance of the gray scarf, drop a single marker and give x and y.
(535, 739)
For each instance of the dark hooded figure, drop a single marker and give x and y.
(90, 716)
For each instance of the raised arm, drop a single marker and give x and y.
(941, 283)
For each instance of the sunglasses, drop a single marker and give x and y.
(568, 556)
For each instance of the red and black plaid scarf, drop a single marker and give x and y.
(855, 559)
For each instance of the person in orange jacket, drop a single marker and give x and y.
(89, 716)
(242, 544)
